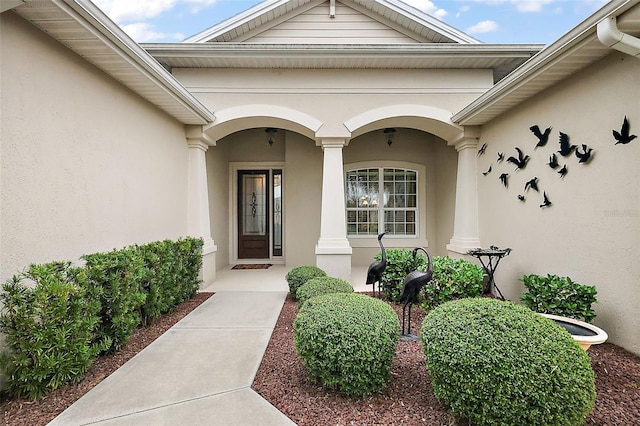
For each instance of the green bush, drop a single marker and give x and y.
(347, 341)
(171, 275)
(399, 263)
(119, 276)
(559, 296)
(300, 275)
(497, 363)
(322, 285)
(49, 327)
(452, 279)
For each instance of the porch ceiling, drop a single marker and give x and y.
(83, 28)
(501, 58)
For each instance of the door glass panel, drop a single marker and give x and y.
(254, 206)
(277, 212)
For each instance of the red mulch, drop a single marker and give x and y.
(408, 399)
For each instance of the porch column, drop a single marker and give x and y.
(465, 228)
(198, 220)
(333, 252)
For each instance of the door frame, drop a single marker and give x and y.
(234, 168)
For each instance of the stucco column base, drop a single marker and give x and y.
(335, 265)
(463, 245)
(208, 270)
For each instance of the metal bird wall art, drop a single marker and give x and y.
(482, 149)
(624, 136)
(543, 137)
(532, 184)
(566, 149)
(563, 171)
(521, 197)
(521, 161)
(504, 178)
(584, 156)
(545, 201)
(500, 157)
(553, 161)
(488, 171)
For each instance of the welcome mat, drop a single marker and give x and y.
(252, 266)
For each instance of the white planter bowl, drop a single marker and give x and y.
(582, 332)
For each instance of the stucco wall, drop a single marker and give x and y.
(86, 164)
(591, 233)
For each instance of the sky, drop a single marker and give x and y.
(490, 21)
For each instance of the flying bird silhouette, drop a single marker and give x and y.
(585, 155)
(543, 138)
(504, 178)
(521, 161)
(500, 157)
(487, 172)
(563, 171)
(545, 202)
(565, 148)
(482, 149)
(521, 197)
(533, 184)
(624, 137)
(553, 161)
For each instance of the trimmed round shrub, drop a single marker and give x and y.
(347, 341)
(300, 275)
(497, 363)
(322, 285)
(400, 263)
(452, 279)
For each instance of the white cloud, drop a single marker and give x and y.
(198, 5)
(143, 33)
(462, 10)
(427, 6)
(530, 5)
(127, 10)
(483, 27)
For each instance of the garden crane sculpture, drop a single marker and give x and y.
(412, 284)
(376, 269)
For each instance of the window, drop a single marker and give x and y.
(382, 199)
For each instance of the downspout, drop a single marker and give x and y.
(611, 36)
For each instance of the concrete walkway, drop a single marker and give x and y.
(200, 371)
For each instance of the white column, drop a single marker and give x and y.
(465, 228)
(333, 251)
(198, 220)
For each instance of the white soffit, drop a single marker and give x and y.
(83, 28)
(572, 52)
(271, 12)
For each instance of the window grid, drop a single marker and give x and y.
(397, 213)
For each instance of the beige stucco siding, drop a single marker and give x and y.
(591, 233)
(86, 164)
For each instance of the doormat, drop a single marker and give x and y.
(252, 266)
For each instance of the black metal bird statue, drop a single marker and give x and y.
(521, 197)
(624, 137)
(543, 138)
(482, 149)
(585, 155)
(376, 269)
(411, 287)
(533, 184)
(563, 171)
(546, 202)
(487, 172)
(504, 178)
(565, 148)
(521, 161)
(553, 161)
(500, 157)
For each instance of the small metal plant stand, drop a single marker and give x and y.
(493, 256)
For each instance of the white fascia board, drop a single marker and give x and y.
(95, 21)
(428, 21)
(546, 58)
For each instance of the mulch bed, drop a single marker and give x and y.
(24, 412)
(408, 399)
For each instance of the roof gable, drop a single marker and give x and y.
(332, 22)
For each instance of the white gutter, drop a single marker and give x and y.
(611, 36)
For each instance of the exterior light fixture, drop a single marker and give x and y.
(390, 134)
(270, 131)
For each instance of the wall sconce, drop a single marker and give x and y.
(390, 134)
(270, 131)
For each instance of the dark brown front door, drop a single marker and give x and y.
(253, 214)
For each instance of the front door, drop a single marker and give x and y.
(253, 214)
